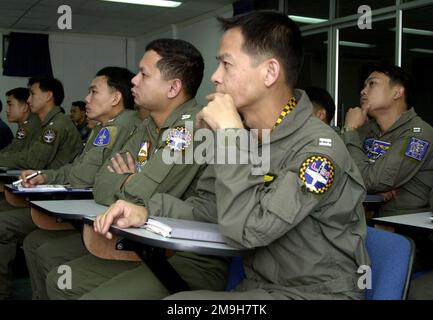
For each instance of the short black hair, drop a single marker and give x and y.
(50, 84)
(21, 94)
(179, 59)
(80, 104)
(322, 98)
(120, 79)
(270, 33)
(397, 76)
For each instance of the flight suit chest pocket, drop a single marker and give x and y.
(156, 168)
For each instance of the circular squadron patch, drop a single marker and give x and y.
(21, 133)
(179, 139)
(317, 173)
(49, 136)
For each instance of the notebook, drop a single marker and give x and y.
(184, 229)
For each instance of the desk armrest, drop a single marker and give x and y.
(46, 222)
(104, 248)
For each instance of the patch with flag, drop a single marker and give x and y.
(103, 137)
(143, 153)
(375, 148)
(416, 148)
(21, 134)
(317, 173)
(49, 136)
(179, 139)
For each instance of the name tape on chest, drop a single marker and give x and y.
(317, 173)
(375, 148)
(416, 148)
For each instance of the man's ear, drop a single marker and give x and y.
(320, 113)
(398, 92)
(116, 98)
(272, 71)
(175, 88)
(50, 96)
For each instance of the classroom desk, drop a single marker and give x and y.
(151, 248)
(420, 220)
(19, 198)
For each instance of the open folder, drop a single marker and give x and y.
(43, 188)
(184, 229)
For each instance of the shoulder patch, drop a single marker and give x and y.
(49, 136)
(21, 133)
(317, 173)
(416, 148)
(375, 148)
(179, 139)
(105, 137)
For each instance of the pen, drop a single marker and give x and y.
(15, 183)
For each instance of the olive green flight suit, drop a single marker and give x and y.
(400, 159)
(154, 175)
(17, 224)
(58, 143)
(26, 134)
(304, 219)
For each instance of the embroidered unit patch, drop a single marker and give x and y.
(416, 148)
(49, 136)
(179, 139)
(21, 134)
(317, 173)
(375, 148)
(103, 138)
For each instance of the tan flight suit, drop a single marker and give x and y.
(17, 224)
(146, 146)
(401, 159)
(308, 237)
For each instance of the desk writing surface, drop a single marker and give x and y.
(419, 220)
(69, 209)
(30, 191)
(149, 238)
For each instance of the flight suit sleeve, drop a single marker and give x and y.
(59, 176)
(200, 207)
(394, 168)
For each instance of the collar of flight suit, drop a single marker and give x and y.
(296, 118)
(116, 118)
(174, 117)
(404, 118)
(56, 110)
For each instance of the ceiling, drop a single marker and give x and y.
(100, 17)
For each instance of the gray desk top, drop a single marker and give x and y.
(34, 191)
(69, 209)
(89, 209)
(419, 220)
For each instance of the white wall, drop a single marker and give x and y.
(204, 33)
(75, 59)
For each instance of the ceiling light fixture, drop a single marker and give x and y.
(420, 32)
(157, 3)
(421, 50)
(306, 19)
(354, 44)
